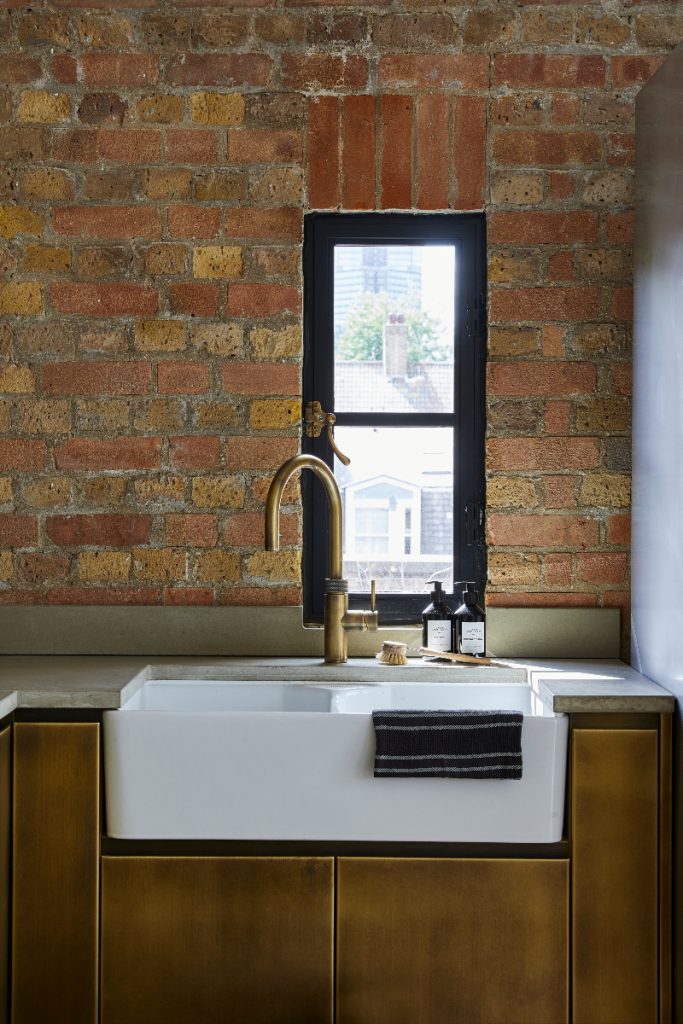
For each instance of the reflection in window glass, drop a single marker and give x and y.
(398, 506)
(394, 309)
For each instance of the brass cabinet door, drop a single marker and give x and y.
(55, 871)
(615, 858)
(5, 882)
(452, 941)
(207, 940)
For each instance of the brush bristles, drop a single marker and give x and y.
(393, 653)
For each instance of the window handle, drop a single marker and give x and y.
(316, 419)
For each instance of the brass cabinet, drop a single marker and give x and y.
(201, 940)
(56, 836)
(5, 825)
(433, 941)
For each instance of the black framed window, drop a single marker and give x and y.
(395, 347)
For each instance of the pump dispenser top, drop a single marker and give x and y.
(437, 621)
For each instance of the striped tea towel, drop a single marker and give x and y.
(448, 744)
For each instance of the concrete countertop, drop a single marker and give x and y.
(88, 682)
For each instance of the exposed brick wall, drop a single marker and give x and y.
(158, 159)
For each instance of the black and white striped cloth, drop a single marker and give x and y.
(448, 744)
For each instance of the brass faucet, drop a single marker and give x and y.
(338, 618)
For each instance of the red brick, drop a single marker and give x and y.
(195, 452)
(470, 152)
(18, 531)
(37, 568)
(536, 226)
(194, 221)
(541, 304)
(565, 108)
(120, 453)
(196, 531)
(397, 152)
(358, 161)
(226, 69)
(129, 146)
(556, 417)
(542, 531)
(97, 378)
(261, 378)
(22, 455)
(107, 221)
(559, 491)
(119, 299)
(621, 307)
(323, 71)
(261, 596)
(634, 70)
(561, 266)
(281, 224)
(622, 378)
(187, 596)
(262, 299)
(432, 152)
(192, 146)
(529, 378)
(104, 595)
(260, 146)
(64, 69)
(109, 530)
(182, 378)
(194, 299)
(259, 452)
(119, 68)
(561, 184)
(247, 529)
(74, 145)
(452, 72)
(507, 453)
(19, 69)
(544, 149)
(619, 529)
(621, 149)
(564, 71)
(620, 227)
(557, 568)
(602, 567)
(323, 152)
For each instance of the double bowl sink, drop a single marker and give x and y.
(272, 759)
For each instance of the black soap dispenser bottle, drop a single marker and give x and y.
(437, 621)
(469, 625)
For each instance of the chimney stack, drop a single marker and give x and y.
(395, 347)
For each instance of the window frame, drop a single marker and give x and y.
(467, 231)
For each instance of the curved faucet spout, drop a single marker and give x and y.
(274, 499)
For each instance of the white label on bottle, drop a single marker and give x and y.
(439, 634)
(472, 638)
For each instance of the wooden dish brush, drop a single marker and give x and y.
(394, 653)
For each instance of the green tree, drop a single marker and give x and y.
(363, 334)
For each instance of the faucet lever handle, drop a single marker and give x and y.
(373, 594)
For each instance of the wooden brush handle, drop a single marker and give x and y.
(467, 659)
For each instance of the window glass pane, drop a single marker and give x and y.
(398, 507)
(394, 308)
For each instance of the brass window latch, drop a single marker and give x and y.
(316, 420)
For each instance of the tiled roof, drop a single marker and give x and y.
(364, 387)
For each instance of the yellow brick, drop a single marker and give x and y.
(5, 416)
(514, 570)
(44, 107)
(160, 414)
(260, 486)
(222, 261)
(161, 109)
(607, 490)
(21, 299)
(5, 489)
(160, 335)
(6, 567)
(216, 566)
(218, 339)
(47, 183)
(17, 220)
(102, 414)
(284, 344)
(217, 108)
(105, 491)
(48, 492)
(216, 415)
(511, 492)
(104, 566)
(16, 379)
(275, 566)
(164, 564)
(218, 492)
(160, 488)
(165, 259)
(46, 259)
(274, 413)
(45, 416)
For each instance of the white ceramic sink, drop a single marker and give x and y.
(269, 760)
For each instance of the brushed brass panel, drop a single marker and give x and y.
(207, 940)
(615, 857)
(55, 873)
(452, 941)
(5, 880)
